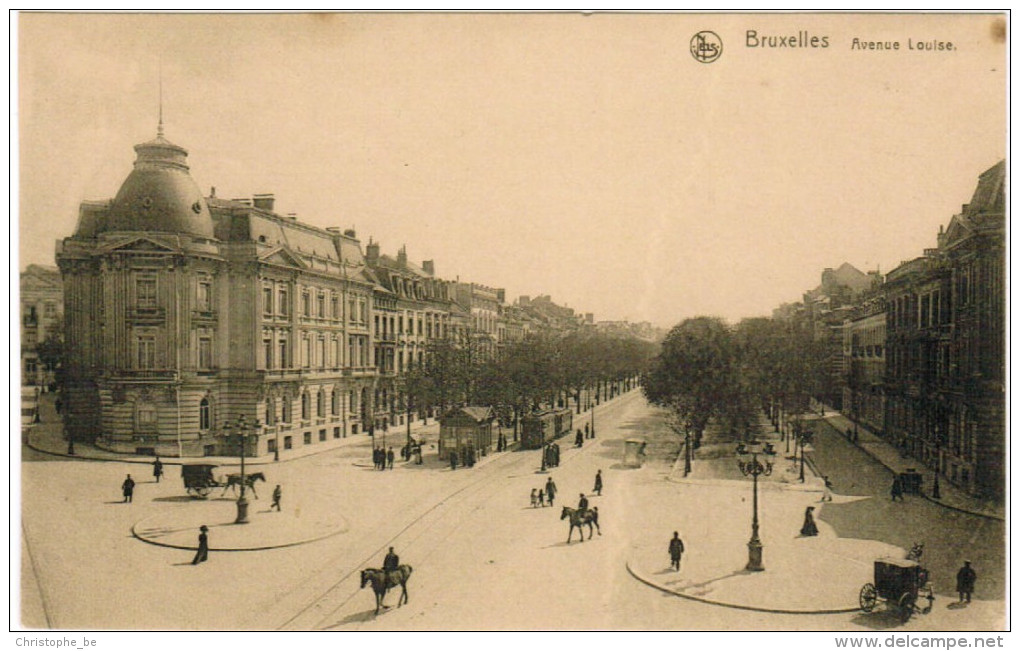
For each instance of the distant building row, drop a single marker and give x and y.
(182, 312)
(919, 356)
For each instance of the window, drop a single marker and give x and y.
(50, 310)
(322, 352)
(308, 438)
(322, 435)
(307, 345)
(146, 415)
(320, 404)
(351, 406)
(283, 353)
(267, 300)
(288, 442)
(284, 302)
(335, 406)
(351, 312)
(336, 353)
(321, 305)
(204, 298)
(336, 432)
(267, 347)
(285, 409)
(306, 304)
(334, 307)
(304, 406)
(146, 345)
(270, 412)
(271, 445)
(205, 360)
(145, 291)
(31, 365)
(204, 417)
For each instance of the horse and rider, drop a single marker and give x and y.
(233, 481)
(581, 516)
(390, 576)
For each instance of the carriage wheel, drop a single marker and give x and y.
(868, 597)
(906, 606)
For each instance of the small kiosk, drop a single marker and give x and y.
(466, 428)
(634, 452)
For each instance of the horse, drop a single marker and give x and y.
(233, 481)
(578, 519)
(382, 581)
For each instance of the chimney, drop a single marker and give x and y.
(429, 267)
(265, 202)
(371, 251)
(402, 256)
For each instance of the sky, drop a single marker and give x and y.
(589, 157)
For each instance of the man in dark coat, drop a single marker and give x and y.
(676, 550)
(897, 489)
(965, 580)
(157, 469)
(391, 562)
(277, 495)
(128, 488)
(550, 490)
(556, 454)
(579, 439)
(389, 458)
(598, 483)
(582, 504)
(453, 460)
(203, 546)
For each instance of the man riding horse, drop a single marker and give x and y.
(392, 575)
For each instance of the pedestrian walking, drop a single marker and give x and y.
(453, 460)
(157, 469)
(202, 554)
(128, 488)
(826, 490)
(277, 494)
(598, 483)
(375, 457)
(586, 430)
(418, 456)
(582, 504)
(676, 550)
(550, 490)
(70, 446)
(534, 497)
(556, 454)
(541, 497)
(389, 458)
(897, 488)
(809, 528)
(965, 580)
(578, 439)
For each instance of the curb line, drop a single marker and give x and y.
(760, 609)
(238, 549)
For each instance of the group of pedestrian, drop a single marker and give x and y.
(539, 495)
(382, 458)
(501, 443)
(552, 455)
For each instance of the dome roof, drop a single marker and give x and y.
(159, 195)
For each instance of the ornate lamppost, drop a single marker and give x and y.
(242, 432)
(747, 461)
(803, 439)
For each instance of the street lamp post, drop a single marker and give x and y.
(750, 465)
(803, 439)
(242, 432)
(687, 451)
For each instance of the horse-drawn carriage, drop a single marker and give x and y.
(899, 582)
(199, 480)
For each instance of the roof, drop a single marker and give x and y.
(477, 414)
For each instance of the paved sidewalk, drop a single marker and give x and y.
(890, 457)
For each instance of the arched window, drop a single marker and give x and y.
(204, 417)
(304, 406)
(286, 409)
(336, 402)
(320, 403)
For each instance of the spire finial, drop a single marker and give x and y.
(159, 129)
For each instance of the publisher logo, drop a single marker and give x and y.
(706, 46)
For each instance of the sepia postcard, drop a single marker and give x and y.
(503, 322)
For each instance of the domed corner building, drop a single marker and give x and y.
(184, 312)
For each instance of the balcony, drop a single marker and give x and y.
(145, 375)
(146, 315)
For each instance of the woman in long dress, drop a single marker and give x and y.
(809, 528)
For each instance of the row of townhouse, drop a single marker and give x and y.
(923, 350)
(182, 313)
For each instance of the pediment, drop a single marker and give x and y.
(141, 245)
(958, 230)
(283, 258)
